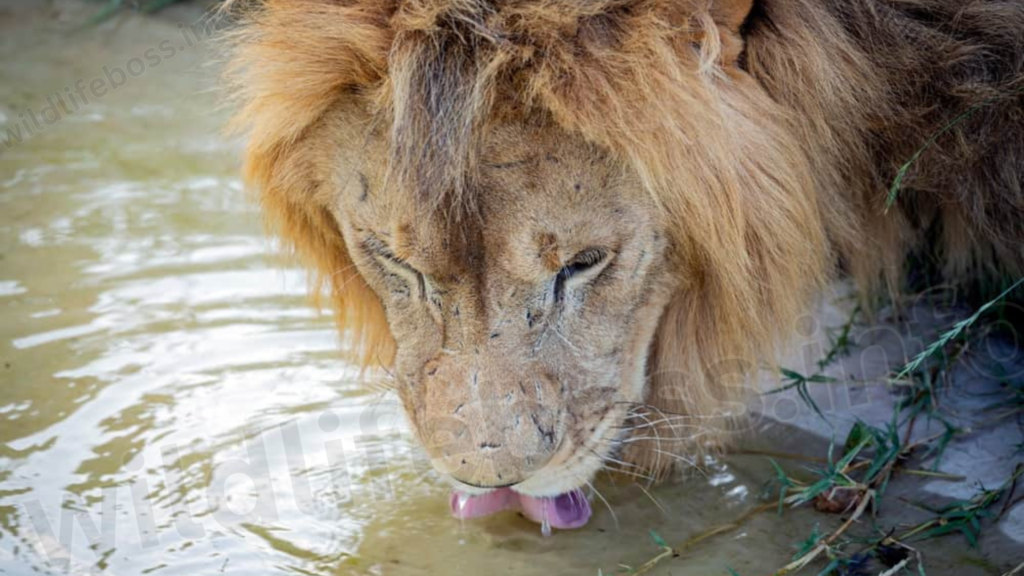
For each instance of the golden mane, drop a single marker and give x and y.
(767, 140)
(284, 82)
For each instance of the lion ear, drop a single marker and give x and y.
(731, 14)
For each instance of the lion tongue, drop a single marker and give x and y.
(566, 511)
(465, 506)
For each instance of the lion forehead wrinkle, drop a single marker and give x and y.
(404, 241)
(548, 251)
(364, 187)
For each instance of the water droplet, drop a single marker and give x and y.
(545, 525)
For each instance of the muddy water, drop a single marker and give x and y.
(170, 404)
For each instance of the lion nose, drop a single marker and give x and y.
(489, 422)
(491, 448)
(491, 465)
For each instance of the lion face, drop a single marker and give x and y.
(563, 228)
(522, 329)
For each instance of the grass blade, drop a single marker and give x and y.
(957, 329)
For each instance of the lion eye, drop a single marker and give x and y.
(580, 266)
(395, 265)
(582, 262)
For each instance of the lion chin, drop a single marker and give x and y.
(568, 231)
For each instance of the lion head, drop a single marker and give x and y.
(564, 228)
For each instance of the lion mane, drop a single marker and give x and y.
(768, 131)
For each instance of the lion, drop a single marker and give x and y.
(569, 230)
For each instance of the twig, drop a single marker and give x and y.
(942, 475)
(667, 552)
(783, 455)
(823, 545)
(1009, 495)
(895, 569)
(670, 551)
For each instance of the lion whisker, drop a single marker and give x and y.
(675, 418)
(633, 439)
(653, 499)
(657, 462)
(619, 462)
(334, 273)
(606, 504)
(668, 439)
(628, 473)
(685, 460)
(651, 407)
(657, 422)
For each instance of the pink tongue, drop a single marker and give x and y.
(566, 511)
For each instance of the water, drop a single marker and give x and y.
(171, 404)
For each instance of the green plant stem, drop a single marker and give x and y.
(897, 183)
(957, 329)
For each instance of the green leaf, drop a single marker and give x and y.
(840, 346)
(658, 539)
(972, 538)
(107, 12)
(784, 482)
(959, 327)
(975, 523)
(937, 531)
(902, 172)
(795, 376)
(808, 544)
(832, 566)
(855, 436)
(851, 454)
(155, 5)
